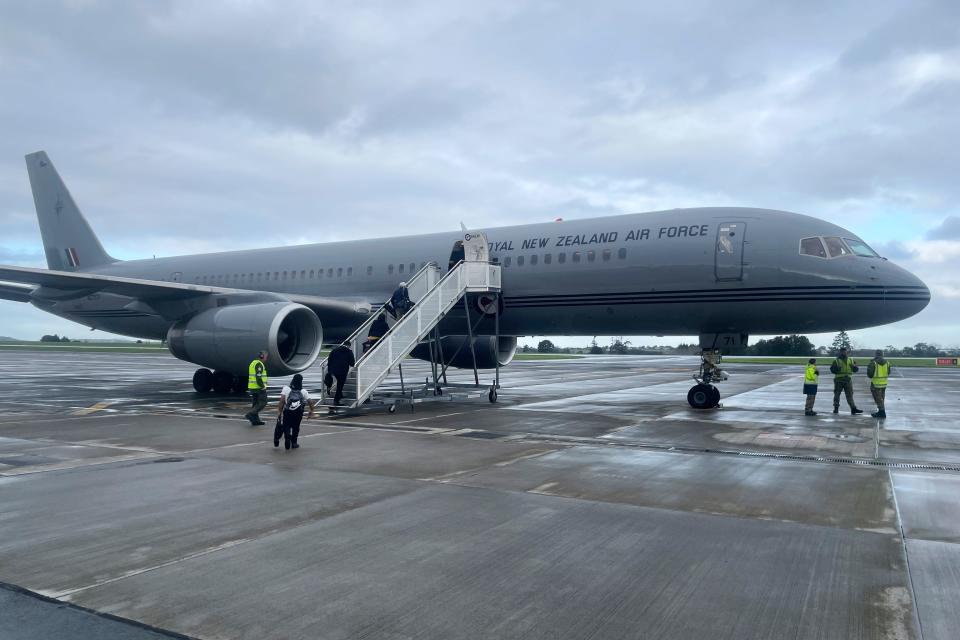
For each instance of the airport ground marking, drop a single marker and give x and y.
(67, 593)
(446, 478)
(542, 489)
(442, 415)
(100, 406)
(256, 443)
(66, 465)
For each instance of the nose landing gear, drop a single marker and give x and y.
(704, 395)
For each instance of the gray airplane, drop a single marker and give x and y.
(721, 273)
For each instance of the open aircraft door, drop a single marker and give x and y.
(476, 248)
(729, 252)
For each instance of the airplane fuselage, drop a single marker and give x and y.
(677, 272)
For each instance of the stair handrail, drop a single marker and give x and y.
(358, 337)
(464, 272)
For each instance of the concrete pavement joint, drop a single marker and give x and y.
(906, 554)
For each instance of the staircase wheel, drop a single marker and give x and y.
(392, 408)
(492, 396)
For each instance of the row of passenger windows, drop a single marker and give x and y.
(277, 275)
(575, 256)
(833, 247)
(411, 268)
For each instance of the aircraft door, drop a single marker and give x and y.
(475, 246)
(729, 252)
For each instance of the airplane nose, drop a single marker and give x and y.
(905, 294)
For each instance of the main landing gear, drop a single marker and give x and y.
(221, 382)
(704, 395)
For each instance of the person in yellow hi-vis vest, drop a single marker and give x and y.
(257, 386)
(878, 371)
(811, 378)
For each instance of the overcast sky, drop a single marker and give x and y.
(184, 127)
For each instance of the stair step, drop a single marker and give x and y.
(430, 317)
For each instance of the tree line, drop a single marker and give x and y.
(792, 345)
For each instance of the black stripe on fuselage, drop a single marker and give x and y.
(748, 291)
(864, 293)
(601, 303)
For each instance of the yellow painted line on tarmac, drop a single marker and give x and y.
(100, 406)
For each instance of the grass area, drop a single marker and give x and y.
(153, 347)
(826, 360)
(101, 347)
(545, 356)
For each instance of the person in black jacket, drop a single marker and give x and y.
(339, 361)
(457, 255)
(400, 301)
(377, 330)
(293, 400)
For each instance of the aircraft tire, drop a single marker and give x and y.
(714, 396)
(202, 380)
(222, 382)
(239, 385)
(700, 396)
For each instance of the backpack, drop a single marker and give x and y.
(294, 401)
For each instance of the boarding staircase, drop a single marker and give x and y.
(433, 295)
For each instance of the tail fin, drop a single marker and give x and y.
(68, 240)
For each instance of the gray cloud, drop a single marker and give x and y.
(949, 229)
(183, 126)
(895, 250)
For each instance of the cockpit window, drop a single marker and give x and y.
(812, 247)
(860, 248)
(836, 247)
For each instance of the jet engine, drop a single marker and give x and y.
(489, 351)
(227, 338)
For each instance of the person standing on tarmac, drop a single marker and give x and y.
(843, 368)
(811, 378)
(293, 399)
(878, 371)
(257, 386)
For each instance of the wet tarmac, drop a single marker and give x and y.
(589, 502)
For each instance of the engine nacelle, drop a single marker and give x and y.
(489, 351)
(227, 338)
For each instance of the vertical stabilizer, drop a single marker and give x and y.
(68, 240)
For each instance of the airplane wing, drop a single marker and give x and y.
(15, 292)
(86, 283)
(24, 280)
